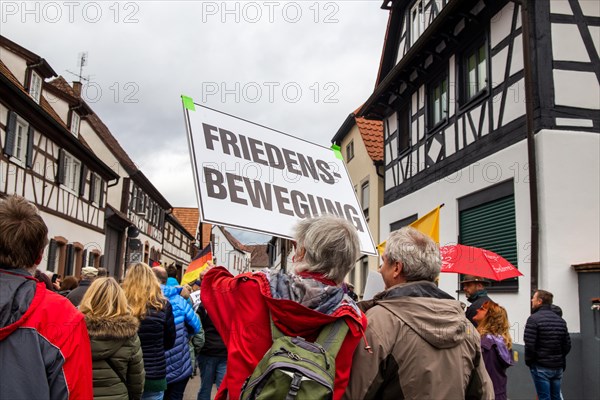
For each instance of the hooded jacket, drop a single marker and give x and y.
(423, 348)
(179, 361)
(116, 353)
(497, 359)
(44, 345)
(240, 307)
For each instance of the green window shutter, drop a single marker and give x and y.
(492, 226)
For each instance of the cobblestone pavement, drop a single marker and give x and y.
(191, 390)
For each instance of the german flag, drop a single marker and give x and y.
(198, 264)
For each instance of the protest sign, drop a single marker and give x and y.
(252, 177)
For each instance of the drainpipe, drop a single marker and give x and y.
(531, 154)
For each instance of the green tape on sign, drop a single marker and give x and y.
(337, 152)
(188, 103)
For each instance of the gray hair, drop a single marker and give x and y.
(418, 253)
(331, 246)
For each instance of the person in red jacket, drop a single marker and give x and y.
(299, 305)
(44, 344)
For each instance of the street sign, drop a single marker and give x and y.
(255, 178)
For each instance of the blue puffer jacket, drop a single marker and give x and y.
(187, 323)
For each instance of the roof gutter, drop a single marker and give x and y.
(348, 123)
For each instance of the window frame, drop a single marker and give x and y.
(365, 189)
(97, 191)
(350, 150)
(35, 86)
(474, 50)
(72, 167)
(484, 197)
(74, 123)
(20, 144)
(431, 87)
(403, 129)
(415, 34)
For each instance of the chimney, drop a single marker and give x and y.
(77, 88)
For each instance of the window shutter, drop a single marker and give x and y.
(60, 176)
(492, 226)
(92, 186)
(9, 146)
(29, 156)
(52, 255)
(82, 179)
(101, 194)
(84, 258)
(70, 259)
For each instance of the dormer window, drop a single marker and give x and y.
(75, 122)
(35, 86)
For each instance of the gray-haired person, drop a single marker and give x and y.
(299, 304)
(423, 345)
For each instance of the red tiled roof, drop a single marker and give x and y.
(43, 102)
(61, 84)
(372, 135)
(188, 217)
(234, 242)
(260, 257)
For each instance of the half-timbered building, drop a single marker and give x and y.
(361, 144)
(45, 160)
(492, 108)
(229, 252)
(178, 244)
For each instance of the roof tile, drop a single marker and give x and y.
(372, 135)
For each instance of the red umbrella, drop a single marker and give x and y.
(475, 261)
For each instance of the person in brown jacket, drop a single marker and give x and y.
(422, 345)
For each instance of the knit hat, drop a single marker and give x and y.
(89, 272)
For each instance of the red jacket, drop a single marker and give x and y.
(239, 307)
(44, 345)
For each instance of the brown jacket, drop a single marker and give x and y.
(423, 348)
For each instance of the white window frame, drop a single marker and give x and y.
(35, 86)
(438, 101)
(476, 78)
(365, 198)
(72, 173)
(20, 146)
(97, 189)
(417, 21)
(75, 123)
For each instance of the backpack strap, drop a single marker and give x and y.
(330, 338)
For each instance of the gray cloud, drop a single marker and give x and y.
(144, 55)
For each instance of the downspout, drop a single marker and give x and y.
(531, 154)
(377, 164)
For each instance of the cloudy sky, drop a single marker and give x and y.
(298, 67)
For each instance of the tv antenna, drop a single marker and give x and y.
(82, 57)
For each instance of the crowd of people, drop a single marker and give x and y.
(262, 335)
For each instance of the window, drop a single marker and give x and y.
(475, 71)
(403, 129)
(394, 226)
(20, 149)
(35, 86)
(417, 21)
(95, 188)
(364, 273)
(438, 101)
(487, 220)
(72, 172)
(350, 150)
(364, 198)
(75, 122)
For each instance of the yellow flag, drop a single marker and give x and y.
(428, 224)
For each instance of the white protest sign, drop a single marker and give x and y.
(373, 285)
(251, 177)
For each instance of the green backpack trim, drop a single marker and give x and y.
(295, 369)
